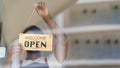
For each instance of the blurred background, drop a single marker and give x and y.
(92, 27)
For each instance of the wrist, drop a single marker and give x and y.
(9, 59)
(46, 16)
(10, 55)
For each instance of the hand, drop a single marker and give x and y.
(15, 49)
(41, 9)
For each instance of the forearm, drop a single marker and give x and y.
(8, 62)
(61, 39)
(51, 23)
(53, 26)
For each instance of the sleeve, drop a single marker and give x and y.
(52, 61)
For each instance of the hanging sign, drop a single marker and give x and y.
(39, 42)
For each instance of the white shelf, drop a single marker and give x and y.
(89, 28)
(93, 62)
(93, 1)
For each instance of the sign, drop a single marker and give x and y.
(39, 42)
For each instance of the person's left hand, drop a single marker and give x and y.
(42, 9)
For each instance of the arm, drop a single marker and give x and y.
(8, 61)
(60, 51)
(10, 57)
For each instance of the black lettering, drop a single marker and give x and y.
(43, 44)
(37, 43)
(32, 43)
(26, 44)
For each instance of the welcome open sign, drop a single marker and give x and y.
(39, 42)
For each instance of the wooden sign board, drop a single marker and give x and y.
(37, 42)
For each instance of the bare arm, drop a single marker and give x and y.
(8, 62)
(60, 51)
(9, 59)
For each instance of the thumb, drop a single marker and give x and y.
(35, 5)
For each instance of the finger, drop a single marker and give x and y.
(39, 2)
(19, 50)
(37, 10)
(16, 48)
(16, 45)
(39, 6)
(42, 4)
(35, 5)
(21, 46)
